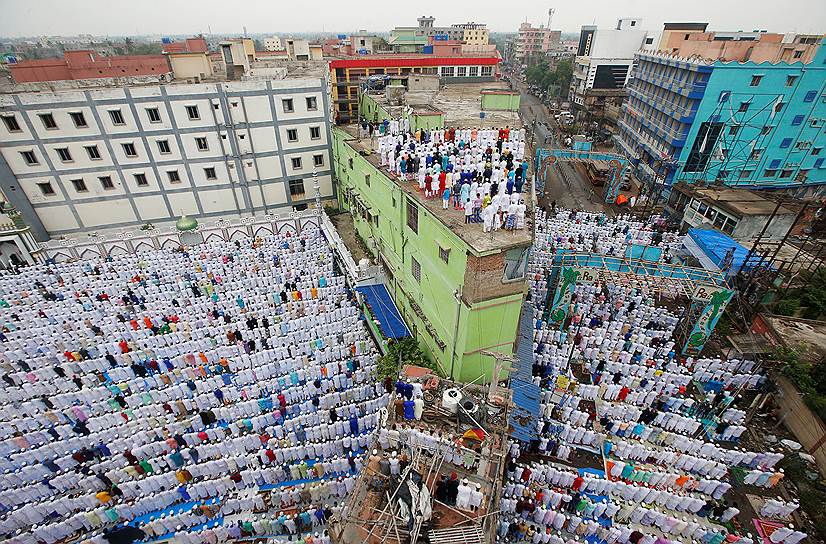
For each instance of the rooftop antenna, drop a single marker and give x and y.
(245, 31)
(551, 12)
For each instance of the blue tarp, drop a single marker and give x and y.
(716, 245)
(384, 310)
(526, 394)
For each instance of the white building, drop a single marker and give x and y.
(84, 160)
(604, 60)
(273, 43)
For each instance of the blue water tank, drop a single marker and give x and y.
(166, 40)
(342, 36)
(427, 50)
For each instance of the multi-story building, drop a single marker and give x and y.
(82, 160)
(603, 65)
(691, 40)
(414, 39)
(532, 44)
(346, 74)
(698, 120)
(88, 64)
(273, 43)
(459, 292)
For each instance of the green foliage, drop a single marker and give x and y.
(400, 352)
(809, 378)
(543, 76)
(811, 493)
(787, 306)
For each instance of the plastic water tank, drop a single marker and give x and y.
(450, 400)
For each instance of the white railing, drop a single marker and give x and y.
(168, 237)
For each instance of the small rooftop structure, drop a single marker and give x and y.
(462, 434)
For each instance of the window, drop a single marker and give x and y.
(733, 129)
(141, 180)
(413, 216)
(173, 176)
(287, 105)
(209, 172)
(48, 121)
(11, 123)
(292, 135)
(802, 174)
(790, 80)
(755, 81)
(318, 160)
(785, 173)
(129, 150)
(78, 119)
(192, 113)
(785, 143)
(473, 71)
(810, 96)
(516, 263)
(816, 150)
(461, 71)
(312, 104)
(447, 71)
(202, 144)
(46, 188)
(765, 130)
(163, 147)
(80, 185)
(487, 71)
(297, 187)
(802, 146)
(29, 157)
(778, 107)
(797, 120)
(63, 153)
(770, 173)
(367, 179)
(92, 151)
(798, 54)
(744, 107)
(416, 269)
(154, 115)
(106, 182)
(117, 117)
(296, 162)
(350, 162)
(746, 174)
(444, 254)
(315, 133)
(755, 153)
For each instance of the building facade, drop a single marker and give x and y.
(603, 66)
(347, 73)
(77, 161)
(273, 43)
(759, 125)
(87, 64)
(414, 39)
(459, 294)
(532, 44)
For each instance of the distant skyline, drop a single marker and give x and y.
(118, 17)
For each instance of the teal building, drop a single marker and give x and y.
(742, 124)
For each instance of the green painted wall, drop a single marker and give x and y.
(427, 122)
(500, 102)
(373, 111)
(430, 302)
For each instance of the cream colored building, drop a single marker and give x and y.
(190, 66)
(273, 43)
(83, 160)
(474, 33)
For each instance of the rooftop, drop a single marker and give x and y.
(803, 335)
(472, 234)
(741, 202)
(461, 104)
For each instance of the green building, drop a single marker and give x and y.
(423, 116)
(459, 289)
(500, 100)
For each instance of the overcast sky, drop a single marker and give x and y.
(133, 17)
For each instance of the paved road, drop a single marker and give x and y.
(563, 184)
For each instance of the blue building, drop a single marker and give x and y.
(760, 126)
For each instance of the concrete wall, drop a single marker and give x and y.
(617, 43)
(500, 101)
(190, 65)
(245, 127)
(750, 226)
(807, 428)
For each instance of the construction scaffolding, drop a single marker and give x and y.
(461, 436)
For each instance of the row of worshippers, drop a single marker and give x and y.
(183, 411)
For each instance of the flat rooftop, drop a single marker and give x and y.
(804, 335)
(738, 201)
(471, 233)
(461, 104)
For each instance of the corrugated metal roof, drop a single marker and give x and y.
(525, 393)
(384, 310)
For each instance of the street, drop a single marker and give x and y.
(563, 183)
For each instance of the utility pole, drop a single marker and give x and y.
(502, 362)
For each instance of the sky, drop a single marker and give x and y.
(141, 17)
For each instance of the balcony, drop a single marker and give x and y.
(673, 137)
(695, 90)
(655, 146)
(682, 115)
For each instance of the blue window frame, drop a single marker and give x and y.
(785, 143)
(798, 120)
(774, 164)
(819, 163)
(810, 96)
